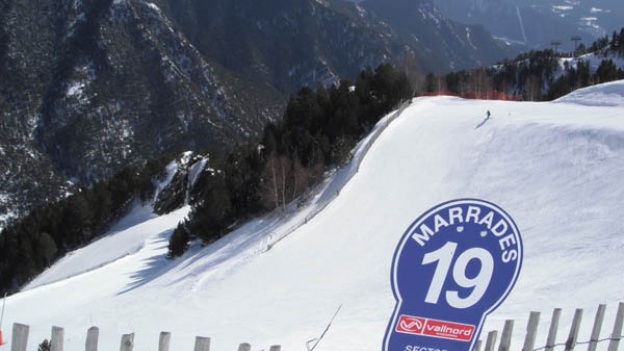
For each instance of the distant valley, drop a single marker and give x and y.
(536, 24)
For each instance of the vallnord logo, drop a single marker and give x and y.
(410, 325)
(434, 328)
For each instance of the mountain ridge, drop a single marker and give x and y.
(89, 87)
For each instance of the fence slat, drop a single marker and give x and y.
(127, 342)
(479, 344)
(491, 341)
(244, 347)
(617, 329)
(202, 343)
(276, 348)
(19, 340)
(529, 340)
(56, 342)
(552, 332)
(505, 343)
(163, 341)
(574, 329)
(93, 335)
(595, 335)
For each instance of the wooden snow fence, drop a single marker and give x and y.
(19, 340)
(571, 342)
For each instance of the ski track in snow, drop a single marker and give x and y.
(554, 167)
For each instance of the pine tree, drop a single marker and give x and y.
(45, 249)
(343, 119)
(178, 242)
(243, 170)
(606, 72)
(432, 83)
(213, 213)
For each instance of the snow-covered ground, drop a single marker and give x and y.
(556, 168)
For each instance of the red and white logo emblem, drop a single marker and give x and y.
(435, 328)
(411, 325)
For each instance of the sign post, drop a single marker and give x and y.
(453, 266)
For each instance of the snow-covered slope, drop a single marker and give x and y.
(554, 167)
(608, 94)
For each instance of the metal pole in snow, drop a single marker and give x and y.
(317, 340)
(2, 317)
(3, 304)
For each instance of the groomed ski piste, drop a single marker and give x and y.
(555, 167)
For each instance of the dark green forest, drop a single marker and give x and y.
(534, 76)
(317, 132)
(49, 232)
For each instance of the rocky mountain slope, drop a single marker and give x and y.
(88, 86)
(438, 43)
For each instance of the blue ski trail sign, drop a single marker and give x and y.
(453, 266)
